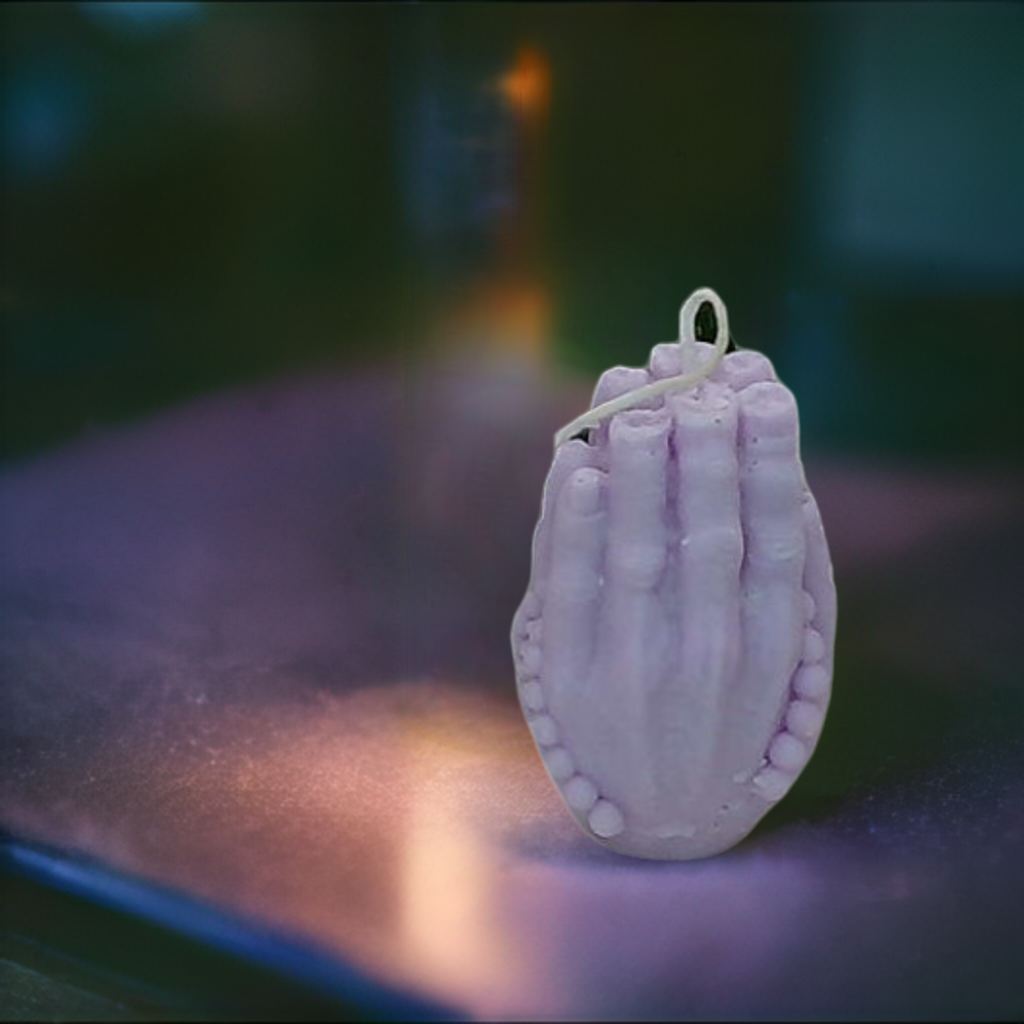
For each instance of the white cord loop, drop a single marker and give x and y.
(685, 381)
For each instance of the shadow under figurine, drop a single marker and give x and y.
(674, 649)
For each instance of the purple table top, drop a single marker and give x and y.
(256, 649)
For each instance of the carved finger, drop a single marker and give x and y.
(574, 585)
(569, 457)
(634, 634)
(741, 369)
(619, 380)
(708, 574)
(637, 537)
(772, 603)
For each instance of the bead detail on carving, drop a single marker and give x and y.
(805, 719)
(787, 752)
(681, 594)
(814, 647)
(559, 764)
(812, 682)
(545, 731)
(580, 793)
(531, 659)
(533, 696)
(606, 820)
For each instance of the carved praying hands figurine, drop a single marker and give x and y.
(674, 649)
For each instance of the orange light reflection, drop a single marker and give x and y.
(449, 881)
(528, 85)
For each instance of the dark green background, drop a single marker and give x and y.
(222, 193)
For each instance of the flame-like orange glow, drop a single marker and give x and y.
(528, 85)
(502, 315)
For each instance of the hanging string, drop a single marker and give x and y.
(683, 382)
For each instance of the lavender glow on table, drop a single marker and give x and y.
(255, 649)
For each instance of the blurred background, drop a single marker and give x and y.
(198, 194)
(294, 297)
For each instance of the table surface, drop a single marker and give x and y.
(256, 649)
